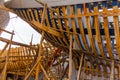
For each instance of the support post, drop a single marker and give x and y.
(38, 59)
(4, 72)
(80, 67)
(70, 58)
(112, 75)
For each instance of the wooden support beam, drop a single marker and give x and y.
(16, 43)
(112, 75)
(70, 58)
(4, 48)
(27, 76)
(6, 31)
(80, 67)
(40, 46)
(44, 72)
(4, 72)
(45, 28)
(38, 60)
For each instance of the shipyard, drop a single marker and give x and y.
(59, 39)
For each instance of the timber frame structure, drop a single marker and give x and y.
(88, 32)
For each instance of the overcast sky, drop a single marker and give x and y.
(22, 30)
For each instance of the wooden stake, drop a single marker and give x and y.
(80, 67)
(112, 77)
(4, 72)
(70, 58)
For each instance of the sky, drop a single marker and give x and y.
(23, 31)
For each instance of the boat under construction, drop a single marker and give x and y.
(80, 40)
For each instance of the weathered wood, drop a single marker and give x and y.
(4, 72)
(82, 31)
(117, 32)
(92, 44)
(70, 58)
(80, 66)
(15, 43)
(98, 37)
(74, 28)
(46, 29)
(112, 75)
(109, 47)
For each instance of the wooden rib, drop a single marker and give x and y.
(27, 12)
(54, 26)
(74, 27)
(117, 33)
(66, 20)
(51, 36)
(21, 14)
(30, 11)
(82, 31)
(98, 36)
(60, 26)
(25, 15)
(106, 28)
(90, 34)
(48, 25)
(46, 29)
(36, 15)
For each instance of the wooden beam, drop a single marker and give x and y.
(4, 72)
(80, 67)
(38, 59)
(16, 43)
(45, 28)
(6, 31)
(70, 58)
(4, 48)
(112, 75)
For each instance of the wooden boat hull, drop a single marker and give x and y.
(89, 24)
(94, 28)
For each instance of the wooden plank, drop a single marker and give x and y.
(74, 27)
(98, 36)
(108, 41)
(70, 58)
(82, 31)
(117, 32)
(80, 66)
(112, 77)
(92, 44)
(4, 49)
(15, 43)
